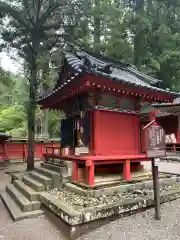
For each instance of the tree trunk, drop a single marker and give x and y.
(149, 7)
(44, 131)
(45, 86)
(31, 118)
(97, 27)
(139, 36)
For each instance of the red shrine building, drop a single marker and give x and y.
(102, 100)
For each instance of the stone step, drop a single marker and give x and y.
(47, 172)
(41, 178)
(24, 204)
(34, 184)
(53, 167)
(15, 210)
(56, 177)
(30, 193)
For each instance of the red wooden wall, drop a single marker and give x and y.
(18, 150)
(116, 133)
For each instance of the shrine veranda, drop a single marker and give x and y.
(103, 132)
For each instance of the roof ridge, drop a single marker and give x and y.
(104, 60)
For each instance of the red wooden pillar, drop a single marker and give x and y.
(127, 170)
(90, 173)
(96, 132)
(6, 152)
(74, 171)
(42, 149)
(174, 147)
(25, 152)
(91, 143)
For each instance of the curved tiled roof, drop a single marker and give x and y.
(176, 102)
(124, 73)
(82, 62)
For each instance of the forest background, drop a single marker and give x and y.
(145, 33)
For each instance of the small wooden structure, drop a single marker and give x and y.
(103, 130)
(168, 117)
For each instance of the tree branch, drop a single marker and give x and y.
(26, 5)
(51, 8)
(14, 13)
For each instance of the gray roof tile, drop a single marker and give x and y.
(176, 102)
(121, 72)
(81, 61)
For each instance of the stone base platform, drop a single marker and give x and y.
(141, 180)
(73, 217)
(75, 208)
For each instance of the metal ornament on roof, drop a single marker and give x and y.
(146, 108)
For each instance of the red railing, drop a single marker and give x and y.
(173, 147)
(52, 153)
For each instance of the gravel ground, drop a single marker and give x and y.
(142, 226)
(29, 229)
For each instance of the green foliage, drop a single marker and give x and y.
(54, 124)
(13, 97)
(6, 84)
(12, 118)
